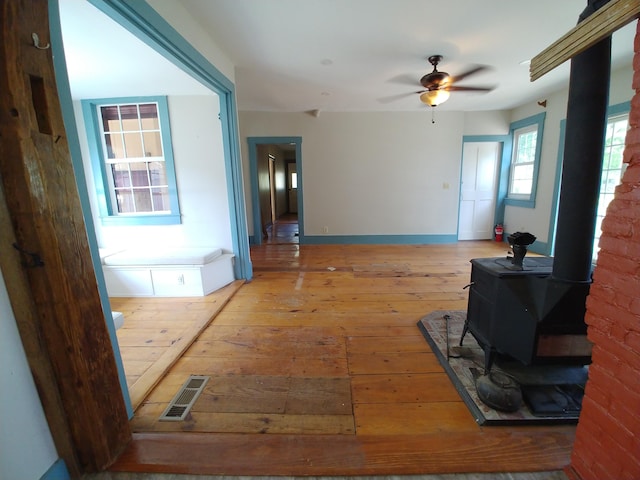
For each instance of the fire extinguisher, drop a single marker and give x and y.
(499, 231)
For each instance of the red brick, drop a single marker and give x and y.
(632, 340)
(622, 351)
(619, 246)
(603, 359)
(616, 227)
(623, 209)
(607, 444)
(633, 136)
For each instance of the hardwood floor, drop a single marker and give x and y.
(318, 368)
(157, 331)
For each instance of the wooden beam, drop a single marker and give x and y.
(599, 25)
(39, 185)
(25, 313)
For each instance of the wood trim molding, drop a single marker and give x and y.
(601, 24)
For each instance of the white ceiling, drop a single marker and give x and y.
(344, 55)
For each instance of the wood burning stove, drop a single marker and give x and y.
(536, 314)
(524, 315)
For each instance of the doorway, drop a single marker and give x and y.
(276, 190)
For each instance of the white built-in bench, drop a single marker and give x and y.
(166, 272)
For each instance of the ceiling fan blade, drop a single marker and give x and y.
(405, 79)
(454, 88)
(400, 96)
(468, 73)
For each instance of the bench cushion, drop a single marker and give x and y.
(164, 256)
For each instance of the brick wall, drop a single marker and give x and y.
(607, 442)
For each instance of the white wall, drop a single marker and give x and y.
(201, 180)
(26, 447)
(371, 173)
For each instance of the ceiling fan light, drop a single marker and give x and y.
(434, 97)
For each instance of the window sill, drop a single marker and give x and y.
(515, 202)
(141, 220)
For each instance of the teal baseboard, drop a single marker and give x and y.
(377, 239)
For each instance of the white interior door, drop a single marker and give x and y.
(478, 190)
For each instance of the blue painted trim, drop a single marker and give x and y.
(57, 471)
(501, 187)
(253, 143)
(555, 201)
(380, 239)
(145, 23)
(525, 122)
(71, 131)
(108, 211)
(618, 108)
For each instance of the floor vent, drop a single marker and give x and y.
(181, 404)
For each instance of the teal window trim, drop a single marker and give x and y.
(537, 120)
(108, 214)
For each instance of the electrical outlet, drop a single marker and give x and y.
(325, 229)
(180, 279)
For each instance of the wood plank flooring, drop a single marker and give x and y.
(318, 368)
(157, 331)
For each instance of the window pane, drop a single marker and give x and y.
(619, 132)
(139, 174)
(149, 116)
(157, 173)
(115, 147)
(110, 119)
(124, 199)
(160, 199)
(152, 144)
(143, 200)
(133, 145)
(294, 180)
(129, 116)
(616, 157)
(120, 173)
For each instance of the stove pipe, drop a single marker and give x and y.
(582, 164)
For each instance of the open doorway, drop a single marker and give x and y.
(276, 190)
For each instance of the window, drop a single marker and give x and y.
(525, 158)
(132, 160)
(612, 169)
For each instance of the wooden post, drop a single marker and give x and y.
(51, 243)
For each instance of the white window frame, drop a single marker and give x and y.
(101, 164)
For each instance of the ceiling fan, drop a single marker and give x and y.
(437, 84)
